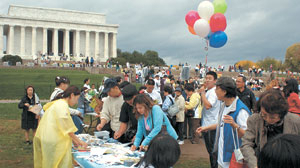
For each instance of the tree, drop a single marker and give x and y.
(12, 59)
(148, 58)
(246, 64)
(292, 57)
(265, 64)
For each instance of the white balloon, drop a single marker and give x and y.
(201, 28)
(206, 10)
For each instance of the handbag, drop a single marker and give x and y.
(190, 113)
(173, 109)
(35, 109)
(237, 159)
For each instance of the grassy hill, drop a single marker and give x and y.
(14, 80)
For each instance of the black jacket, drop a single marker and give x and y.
(248, 98)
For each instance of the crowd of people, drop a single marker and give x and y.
(165, 111)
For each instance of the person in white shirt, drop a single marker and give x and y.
(232, 121)
(155, 96)
(87, 83)
(211, 106)
(111, 106)
(62, 83)
(157, 83)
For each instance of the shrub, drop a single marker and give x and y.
(12, 59)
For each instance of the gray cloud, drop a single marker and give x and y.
(256, 29)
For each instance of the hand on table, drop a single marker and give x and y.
(83, 144)
(143, 148)
(117, 135)
(133, 148)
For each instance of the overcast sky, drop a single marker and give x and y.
(255, 28)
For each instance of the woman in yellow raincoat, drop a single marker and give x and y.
(55, 133)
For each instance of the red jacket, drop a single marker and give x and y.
(294, 103)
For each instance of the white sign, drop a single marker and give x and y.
(54, 65)
(18, 63)
(5, 64)
(66, 65)
(30, 64)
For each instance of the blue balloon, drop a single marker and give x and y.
(209, 35)
(218, 39)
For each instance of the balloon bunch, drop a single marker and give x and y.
(209, 22)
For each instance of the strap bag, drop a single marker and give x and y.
(173, 109)
(191, 112)
(237, 159)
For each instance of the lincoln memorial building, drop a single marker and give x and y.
(32, 32)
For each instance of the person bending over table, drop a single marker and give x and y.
(151, 121)
(55, 133)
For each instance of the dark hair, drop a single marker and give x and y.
(142, 87)
(85, 80)
(144, 100)
(29, 86)
(168, 89)
(150, 82)
(227, 85)
(189, 87)
(163, 152)
(83, 89)
(123, 84)
(212, 73)
(273, 102)
(118, 79)
(291, 87)
(67, 93)
(61, 79)
(282, 151)
(243, 77)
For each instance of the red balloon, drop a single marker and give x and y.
(218, 22)
(191, 17)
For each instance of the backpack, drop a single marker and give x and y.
(173, 109)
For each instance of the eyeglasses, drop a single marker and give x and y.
(270, 116)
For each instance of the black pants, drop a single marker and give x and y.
(188, 122)
(209, 138)
(179, 130)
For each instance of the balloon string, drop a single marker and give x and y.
(206, 49)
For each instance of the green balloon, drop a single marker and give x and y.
(220, 6)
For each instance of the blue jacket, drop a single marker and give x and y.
(159, 119)
(228, 137)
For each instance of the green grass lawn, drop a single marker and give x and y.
(14, 153)
(13, 81)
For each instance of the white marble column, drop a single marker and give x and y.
(105, 51)
(77, 47)
(97, 46)
(1, 41)
(114, 45)
(67, 43)
(87, 44)
(45, 40)
(22, 49)
(11, 36)
(33, 51)
(55, 42)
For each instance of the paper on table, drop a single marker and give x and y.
(97, 151)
